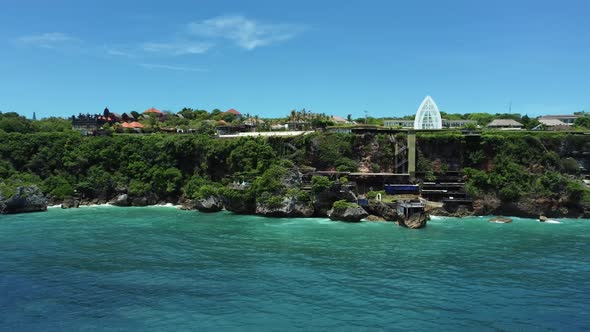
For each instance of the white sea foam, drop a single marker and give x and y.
(167, 205)
(96, 205)
(438, 217)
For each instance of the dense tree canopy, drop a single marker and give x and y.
(63, 163)
(583, 122)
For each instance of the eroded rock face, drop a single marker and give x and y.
(70, 203)
(529, 207)
(290, 207)
(486, 205)
(188, 204)
(382, 210)
(139, 201)
(26, 199)
(352, 213)
(239, 206)
(375, 218)
(439, 211)
(146, 199)
(322, 202)
(460, 212)
(209, 204)
(292, 178)
(415, 221)
(120, 200)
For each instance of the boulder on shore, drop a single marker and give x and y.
(209, 204)
(187, 204)
(139, 201)
(70, 203)
(372, 217)
(148, 198)
(415, 221)
(26, 199)
(120, 200)
(382, 210)
(290, 207)
(352, 213)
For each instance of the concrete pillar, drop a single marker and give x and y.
(412, 154)
(396, 157)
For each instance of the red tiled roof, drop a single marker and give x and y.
(133, 125)
(233, 111)
(152, 110)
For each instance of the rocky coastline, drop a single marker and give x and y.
(322, 203)
(523, 207)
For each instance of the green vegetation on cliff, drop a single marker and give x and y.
(532, 165)
(508, 165)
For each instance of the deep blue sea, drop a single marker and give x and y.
(108, 268)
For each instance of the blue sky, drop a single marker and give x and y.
(62, 57)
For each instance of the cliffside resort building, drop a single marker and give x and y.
(428, 115)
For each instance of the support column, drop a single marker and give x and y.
(412, 154)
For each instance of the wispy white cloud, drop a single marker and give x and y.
(118, 52)
(49, 40)
(177, 48)
(246, 33)
(169, 67)
(196, 38)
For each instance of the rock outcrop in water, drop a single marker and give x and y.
(382, 210)
(290, 207)
(415, 221)
(26, 199)
(209, 204)
(351, 213)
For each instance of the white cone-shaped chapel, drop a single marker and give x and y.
(428, 116)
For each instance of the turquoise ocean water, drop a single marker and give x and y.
(108, 268)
